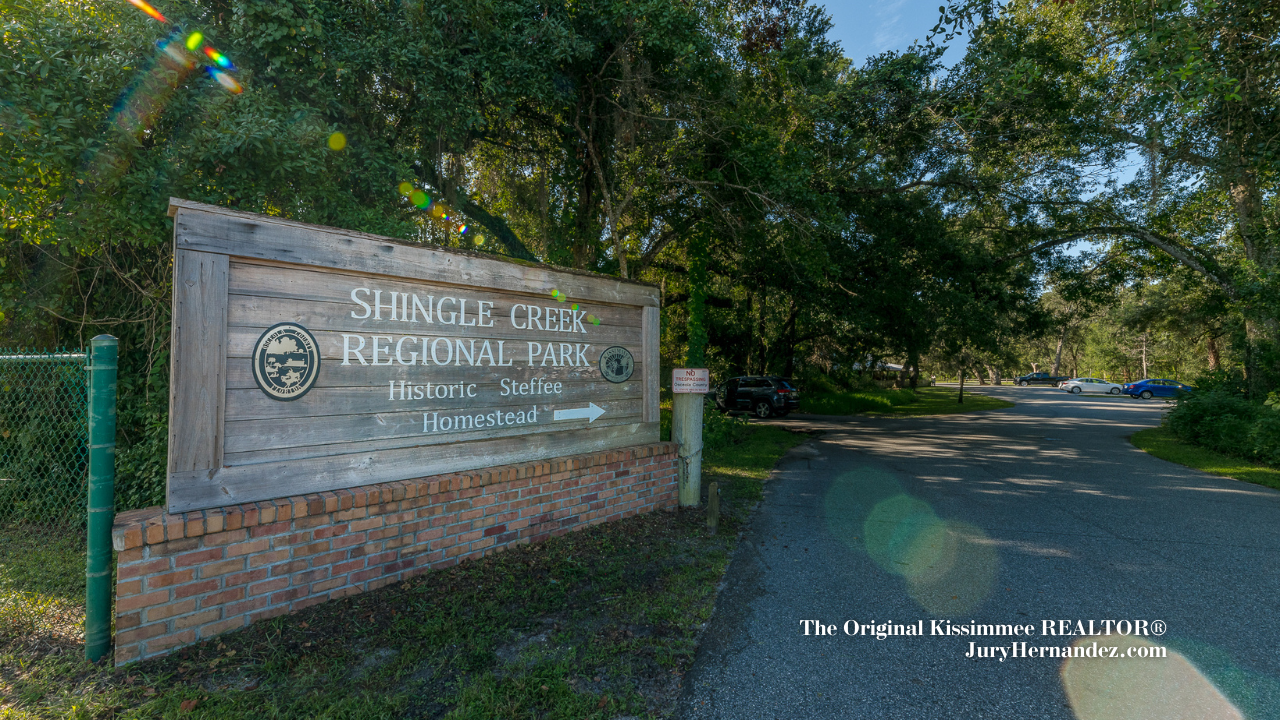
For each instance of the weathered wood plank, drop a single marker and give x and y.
(650, 361)
(419, 440)
(237, 274)
(240, 341)
(212, 229)
(198, 361)
(250, 311)
(324, 430)
(335, 374)
(296, 282)
(251, 404)
(248, 483)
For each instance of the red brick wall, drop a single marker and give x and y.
(182, 578)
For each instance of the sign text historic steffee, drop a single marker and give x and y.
(308, 358)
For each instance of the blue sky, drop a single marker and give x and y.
(869, 27)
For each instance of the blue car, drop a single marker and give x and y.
(1147, 389)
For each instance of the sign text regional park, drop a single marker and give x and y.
(309, 359)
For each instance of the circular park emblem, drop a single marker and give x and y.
(286, 361)
(616, 364)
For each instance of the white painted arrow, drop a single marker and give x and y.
(589, 413)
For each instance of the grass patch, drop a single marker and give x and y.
(1165, 445)
(742, 467)
(41, 584)
(599, 623)
(921, 401)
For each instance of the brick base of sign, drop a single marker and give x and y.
(186, 577)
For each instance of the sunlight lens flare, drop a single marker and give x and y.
(1138, 684)
(419, 198)
(949, 567)
(194, 40)
(405, 188)
(225, 80)
(337, 141)
(175, 53)
(144, 7)
(222, 60)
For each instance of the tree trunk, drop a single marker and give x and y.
(994, 374)
(1057, 357)
(977, 370)
(960, 400)
(695, 356)
(1215, 361)
(1144, 356)
(763, 359)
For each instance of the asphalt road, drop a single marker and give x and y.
(1039, 512)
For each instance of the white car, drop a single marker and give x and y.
(1091, 385)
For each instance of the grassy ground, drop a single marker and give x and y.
(921, 401)
(41, 584)
(1166, 446)
(599, 623)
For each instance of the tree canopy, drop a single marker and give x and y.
(1085, 172)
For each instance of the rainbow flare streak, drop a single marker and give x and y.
(223, 61)
(144, 7)
(194, 40)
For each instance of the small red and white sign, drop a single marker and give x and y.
(690, 380)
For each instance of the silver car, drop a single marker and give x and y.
(1090, 385)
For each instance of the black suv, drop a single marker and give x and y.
(764, 396)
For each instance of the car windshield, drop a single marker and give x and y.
(780, 383)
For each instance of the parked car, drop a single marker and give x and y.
(1091, 385)
(1162, 387)
(765, 396)
(1040, 378)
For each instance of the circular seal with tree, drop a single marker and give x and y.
(617, 364)
(286, 361)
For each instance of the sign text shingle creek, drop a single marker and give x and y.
(416, 315)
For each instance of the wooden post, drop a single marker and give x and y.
(686, 429)
(713, 507)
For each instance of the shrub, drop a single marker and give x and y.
(721, 430)
(1266, 436)
(1230, 381)
(1221, 419)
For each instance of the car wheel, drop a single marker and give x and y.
(1024, 383)
(1146, 395)
(1076, 391)
(1114, 391)
(764, 410)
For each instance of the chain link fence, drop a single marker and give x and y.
(43, 484)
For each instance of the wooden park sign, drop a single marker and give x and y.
(307, 358)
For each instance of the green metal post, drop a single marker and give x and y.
(102, 491)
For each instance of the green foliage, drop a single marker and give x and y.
(1228, 423)
(1051, 91)
(853, 403)
(721, 431)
